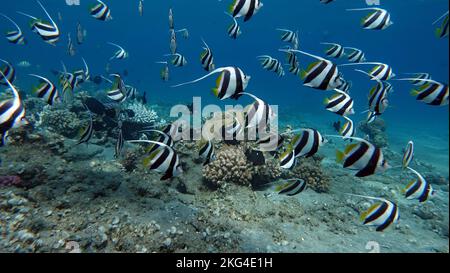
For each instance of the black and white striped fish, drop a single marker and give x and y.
(163, 160)
(288, 159)
(207, 151)
(234, 30)
(178, 60)
(371, 117)
(379, 19)
(207, 58)
(335, 50)
(290, 36)
(230, 84)
(363, 157)
(270, 142)
(101, 11)
(14, 36)
(381, 215)
(68, 81)
(419, 188)
(434, 93)
(378, 98)
(307, 143)
(120, 54)
(341, 103)
(132, 92)
(292, 188)
(82, 75)
(8, 73)
(292, 59)
(381, 71)
(173, 42)
(12, 112)
(322, 75)
(165, 71)
(46, 90)
(296, 70)
(231, 130)
(326, 1)
(345, 86)
(348, 129)
(118, 93)
(442, 31)
(86, 135)
(419, 78)
(164, 137)
(259, 114)
(245, 8)
(49, 32)
(271, 64)
(356, 56)
(119, 143)
(408, 155)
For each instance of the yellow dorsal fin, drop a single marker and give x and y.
(350, 147)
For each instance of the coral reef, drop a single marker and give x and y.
(231, 166)
(60, 120)
(376, 131)
(141, 113)
(310, 170)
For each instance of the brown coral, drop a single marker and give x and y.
(230, 166)
(310, 170)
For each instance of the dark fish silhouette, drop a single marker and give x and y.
(256, 157)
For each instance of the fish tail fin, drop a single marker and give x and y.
(339, 156)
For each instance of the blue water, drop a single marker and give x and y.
(408, 46)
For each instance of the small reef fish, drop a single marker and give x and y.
(81, 33)
(356, 56)
(164, 138)
(381, 71)
(24, 64)
(381, 215)
(171, 20)
(288, 159)
(419, 78)
(206, 151)
(408, 156)
(120, 141)
(173, 43)
(348, 129)
(259, 114)
(46, 90)
(433, 93)
(86, 135)
(141, 7)
(419, 188)
(70, 47)
(345, 86)
(321, 75)
(363, 157)
(271, 64)
(207, 58)
(165, 71)
(14, 36)
(290, 36)
(101, 11)
(442, 31)
(8, 73)
(270, 143)
(49, 32)
(234, 30)
(118, 93)
(163, 160)
(335, 50)
(340, 103)
(178, 60)
(120, 54)
(292, 187)
(245, 8)
(307, 143)
(230, 84)
(380, 19)
(12, 112)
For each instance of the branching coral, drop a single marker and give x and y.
(141, 113)
(61, 121)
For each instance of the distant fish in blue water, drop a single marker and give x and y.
(120, 54)
(86, 135)
(433, 93)
(335, 50)
(141, 7)
(234, 30)
(178, 60)
(164, 74)
(81, 33)
(357, 55)
(307, 143)
(272, 64)
(207, 58)
(14, 36)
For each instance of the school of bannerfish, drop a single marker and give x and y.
(323, 74)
